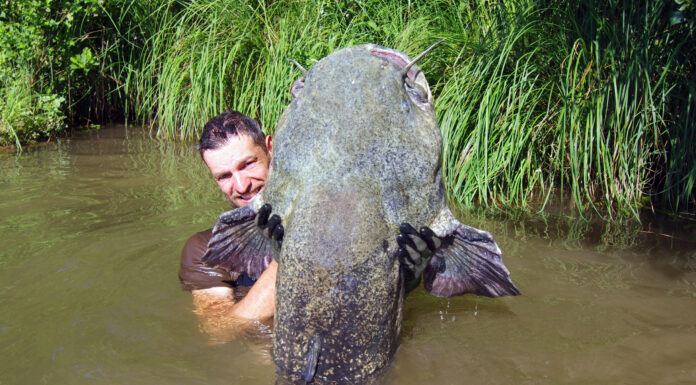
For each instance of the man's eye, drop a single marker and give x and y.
(224, 176)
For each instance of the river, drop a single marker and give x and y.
(91, 229)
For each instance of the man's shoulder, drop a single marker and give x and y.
(193, 274)
(201, 236)
(195, 247)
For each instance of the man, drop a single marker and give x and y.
(238, 155)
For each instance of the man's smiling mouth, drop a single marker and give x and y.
(248, 197)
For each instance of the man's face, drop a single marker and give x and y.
(240, 168)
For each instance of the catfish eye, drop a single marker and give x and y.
(297, 87)
(416, 93)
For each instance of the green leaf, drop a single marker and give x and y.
(84, 61)
(676, 18)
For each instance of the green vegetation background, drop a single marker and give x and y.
(537, 100)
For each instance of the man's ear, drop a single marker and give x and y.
(269, 145)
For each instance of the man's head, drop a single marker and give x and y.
(238, 155)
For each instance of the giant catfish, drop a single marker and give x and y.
(356, 153)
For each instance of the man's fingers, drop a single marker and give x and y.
(407, 229)
(418, 243)
(415, 255)
(278, 234)
(430, 238)
(404, 240)
(415, 251)
(405, 257)
(262, 215)
(271, 225)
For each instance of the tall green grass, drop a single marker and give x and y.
(493, 112)
(580, 100)
(586, 103)
(216, 55)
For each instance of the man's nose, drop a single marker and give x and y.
(242, 182)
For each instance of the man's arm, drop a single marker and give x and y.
(258, 304)
(214, 298)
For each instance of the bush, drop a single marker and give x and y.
(26, 115)
(63, 61)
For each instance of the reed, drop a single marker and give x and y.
(595, 123)
(494, 110)
(535, 99)
(214, 55)
(588, 103)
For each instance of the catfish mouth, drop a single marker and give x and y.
(414, 81)
(398, 58)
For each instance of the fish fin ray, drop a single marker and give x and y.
(238, 245)
(469, 261)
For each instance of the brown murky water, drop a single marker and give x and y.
(90, 234)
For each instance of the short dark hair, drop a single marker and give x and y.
(221, 128)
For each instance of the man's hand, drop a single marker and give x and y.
(414, 252)
(272, 229)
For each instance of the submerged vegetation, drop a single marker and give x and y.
(537, 100)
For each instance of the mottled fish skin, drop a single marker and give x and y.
(354, 157)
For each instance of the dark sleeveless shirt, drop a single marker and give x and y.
(194, 275)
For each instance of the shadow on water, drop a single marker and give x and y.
(91, 230)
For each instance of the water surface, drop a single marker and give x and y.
(91, 229)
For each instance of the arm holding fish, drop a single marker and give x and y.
(259, 303)
(223, 318)
(222, 314)
(214, 293)
(243, 242)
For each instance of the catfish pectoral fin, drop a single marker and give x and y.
(238, 244)
(468, 261)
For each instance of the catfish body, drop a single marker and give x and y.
(356, 153)
(353, 159)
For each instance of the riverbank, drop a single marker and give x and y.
(595, 102)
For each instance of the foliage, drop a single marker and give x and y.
(592, 101)
(63, 58)
(26, 115)
(214, 55)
